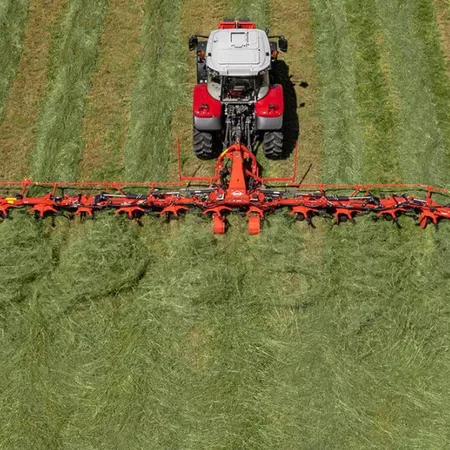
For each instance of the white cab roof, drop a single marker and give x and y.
(238, 52)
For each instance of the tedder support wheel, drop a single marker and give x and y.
(273, 144)
(204, 144)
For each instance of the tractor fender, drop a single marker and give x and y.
(206, 109)
(270, 109)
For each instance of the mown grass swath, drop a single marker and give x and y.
(157, 91)
(256, 10)
(443, 20)
(295, 21)
(13, 15)
(73, 60)
(107, 112)
(18, 127)
(375, 109)
(421, 87)
(343, 138)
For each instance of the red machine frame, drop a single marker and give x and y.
(236, 186)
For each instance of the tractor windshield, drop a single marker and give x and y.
(214, 83)
(245, 88)
(238, 88)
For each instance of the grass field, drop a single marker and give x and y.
(114, 336)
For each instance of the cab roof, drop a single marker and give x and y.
(238, 52)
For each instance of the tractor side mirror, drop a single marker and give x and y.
(193, 42)
(283, 44)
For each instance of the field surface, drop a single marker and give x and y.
(114, 336)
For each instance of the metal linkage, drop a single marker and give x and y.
(235, 187)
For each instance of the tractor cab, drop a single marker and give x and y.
(235, 97)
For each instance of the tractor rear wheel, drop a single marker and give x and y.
(204, 144)
(273, 144)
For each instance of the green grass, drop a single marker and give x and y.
(165, 336)
(13, 15)
(256, 10)
(343, 135)
(72, 62)
(375, 108)
(421, 86)
(191, 356)
(157, 91)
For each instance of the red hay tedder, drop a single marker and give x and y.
(235, 187)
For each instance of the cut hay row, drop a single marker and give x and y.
(73, 61)
(294, 20)
(382, 294)
(156, 93)
(17, 131)
(13, 15)
(343, 135)
(256, 10)
(374, 102)
(108, 105)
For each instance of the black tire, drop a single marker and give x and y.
(273, 144)
(204, 144)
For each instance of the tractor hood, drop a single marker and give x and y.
(238, 52)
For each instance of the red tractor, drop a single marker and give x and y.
(235, 98)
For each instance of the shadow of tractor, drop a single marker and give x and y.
(291, 127)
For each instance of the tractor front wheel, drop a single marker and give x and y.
(204, 144)
(273, 144)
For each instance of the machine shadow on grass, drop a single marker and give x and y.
(291, 127)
